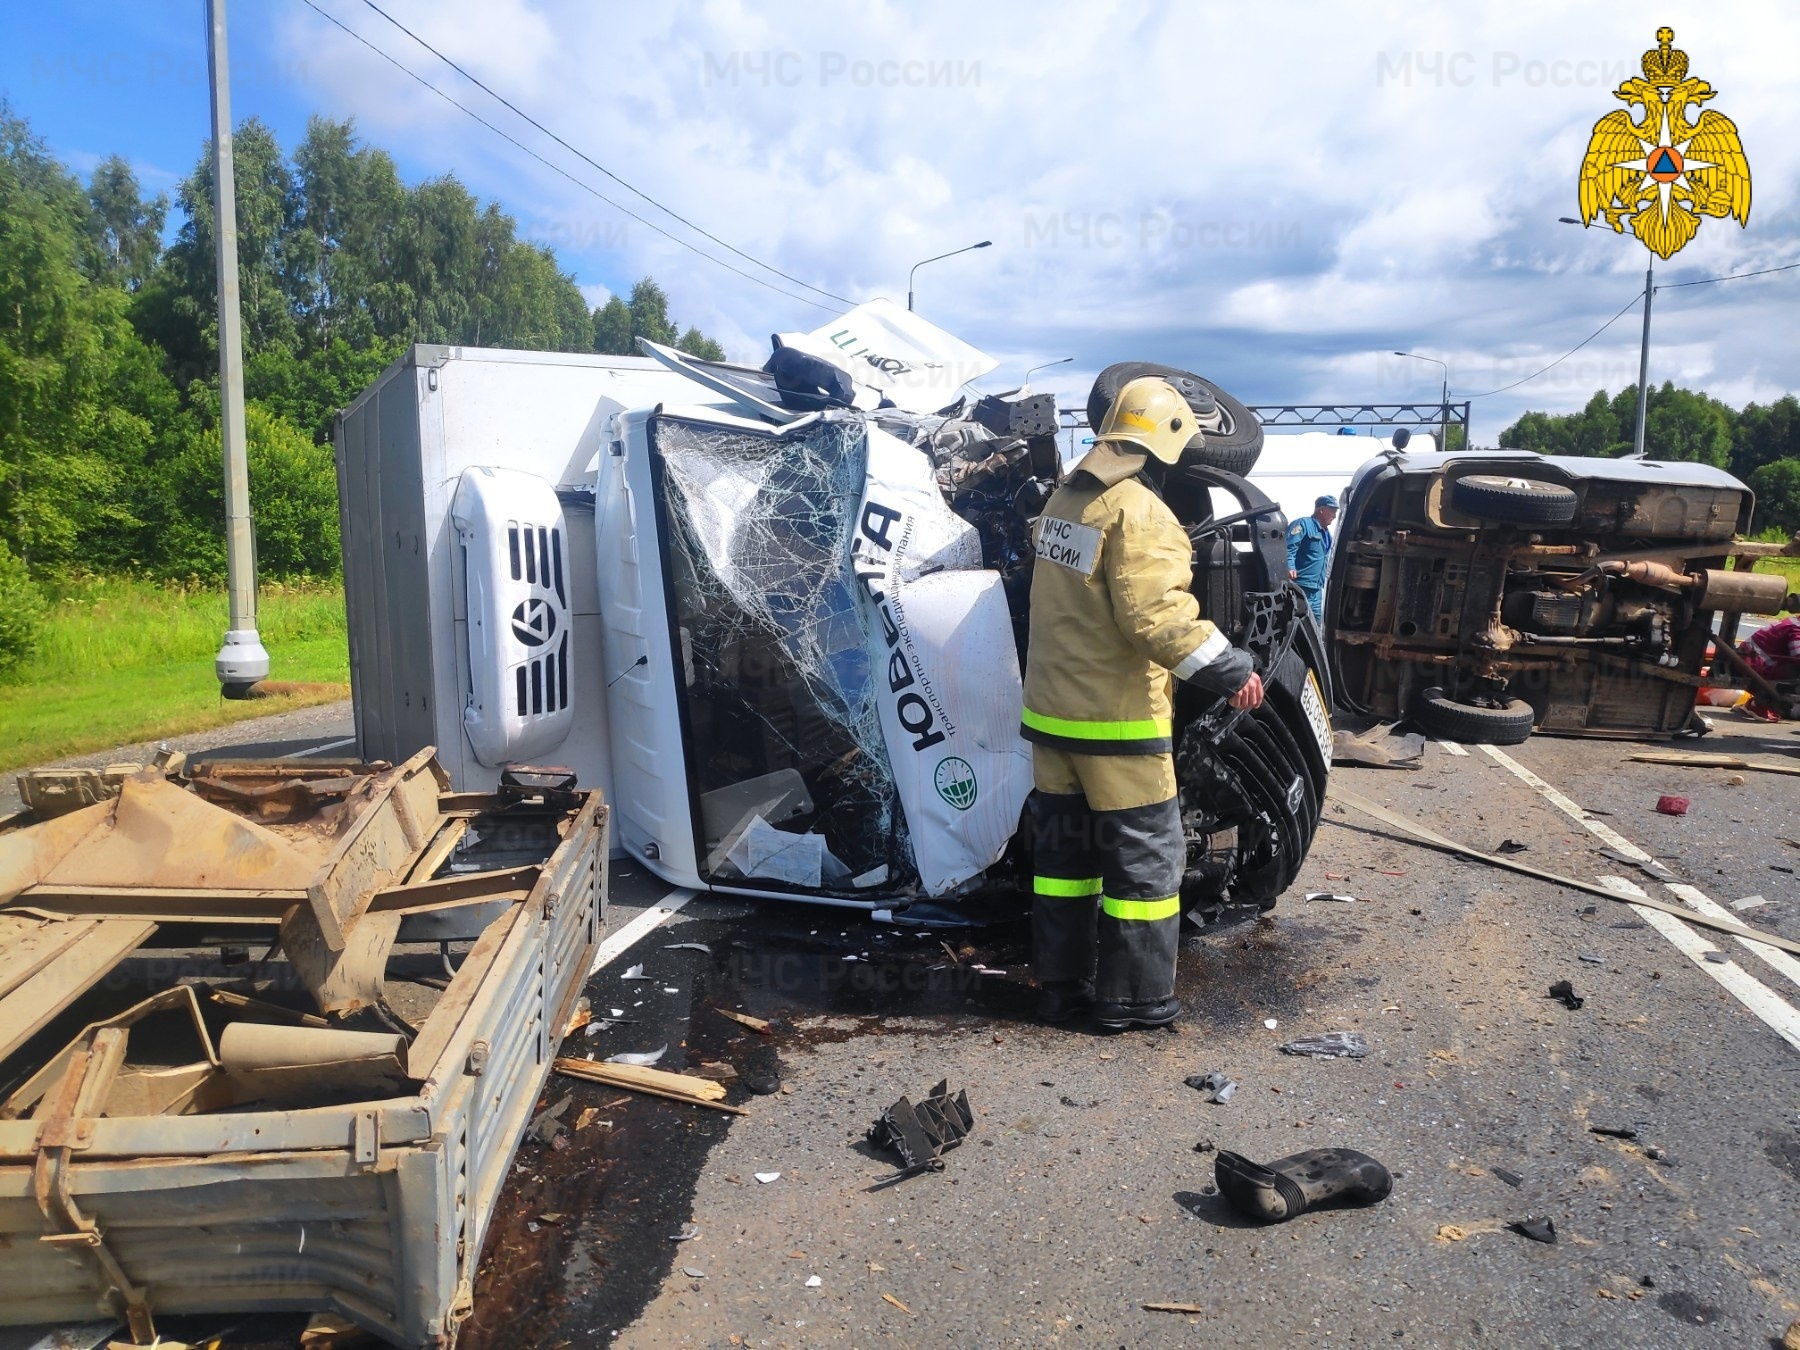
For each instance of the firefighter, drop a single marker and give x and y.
(1113, 624)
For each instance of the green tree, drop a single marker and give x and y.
(650, 314)
(612, 328)
(124, 229)
(1777, 488)
(1765, 433)
(696, 343)
(21, 613)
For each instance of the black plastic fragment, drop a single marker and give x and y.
(1510, 1178)
(1565, 992)
(1538, 1230)
(1512, 846)
(919, 1133)
(1613, 1131)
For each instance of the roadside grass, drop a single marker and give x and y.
(125, 659)
(1788, 567)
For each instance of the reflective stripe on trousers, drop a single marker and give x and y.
(1106, 900)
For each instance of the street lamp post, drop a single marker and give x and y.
(985, 243)
(1643, 397)
(1444, 401)
(1060, 361)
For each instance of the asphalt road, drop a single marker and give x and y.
(1081, 1196)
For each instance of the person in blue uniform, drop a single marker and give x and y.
(1309, 552)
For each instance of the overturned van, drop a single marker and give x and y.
(1489, 592)
(783, 625)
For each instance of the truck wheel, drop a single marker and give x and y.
(1234, 449)
(1513, 501)
(1471, 724)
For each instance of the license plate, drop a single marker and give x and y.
(1314, 703)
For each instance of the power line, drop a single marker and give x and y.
(1735, 276)
(1566, 355)
(617, 206)
(592, 163)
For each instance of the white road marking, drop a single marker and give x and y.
(321, 749)
(1753, 994)
(1747, 990)
(1453, 747)
(647, 922)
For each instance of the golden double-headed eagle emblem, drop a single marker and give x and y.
(1662, 173)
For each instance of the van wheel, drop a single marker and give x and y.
(1234, 450)
(1513, 501)
(1472, 724)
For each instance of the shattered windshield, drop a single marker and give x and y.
(787, 756)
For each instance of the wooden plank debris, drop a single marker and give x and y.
(655, 1082)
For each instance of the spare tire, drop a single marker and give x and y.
(1509, 500)
(1234, 448)
(1472, 724)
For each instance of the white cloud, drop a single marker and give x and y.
(1274, 195)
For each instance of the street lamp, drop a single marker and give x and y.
(1060, 361)
(1444, 411)
(985, 243)
(1643, 398)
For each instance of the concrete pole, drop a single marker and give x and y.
(1637, 443)
(242, 660)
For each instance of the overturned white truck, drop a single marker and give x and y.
(779, 615)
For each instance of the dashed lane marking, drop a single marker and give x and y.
(1752, 993)
(647, 922)
(1738, 982)
(1453, 748)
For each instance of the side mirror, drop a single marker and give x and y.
(1402, 437)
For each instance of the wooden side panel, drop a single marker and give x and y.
(28, 1008)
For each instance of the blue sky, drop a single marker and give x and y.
(1275, 196)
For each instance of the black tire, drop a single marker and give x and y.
(1473, 725)
(1508, 500)
(1234, 449)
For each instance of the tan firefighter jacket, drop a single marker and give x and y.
(1112, 616)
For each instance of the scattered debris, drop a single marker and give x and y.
(1216, 1086)
(1591, 958)
(762, 1084)
(689, 1231)
(920, 1133)
(898, 1304)
(1449, 1232)
(645, 1057)
(1510, 1178)
(1670, 805)
(1179, 1307)
(766, 1177)
(1538, 1230)
(1614, 1131)
(1205, 1146)
(1332, 895)
(548, 1123)
(756, 1024)
(717, 1070)
(582, 1016)
(636, 973)
(1717, 957)
(693, 1272)
(1689, 761)
(1649, 866)
(1431, 839)
(1512, 846)
(324, 1331)
(813, 1282)
(1379, 748)
(1563, 991)
(687, 947)
(1329, 1045)
(1270, 1023)
(1089, 1104)
(1300, 1183)
(1749, 902)
(652, 1082)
